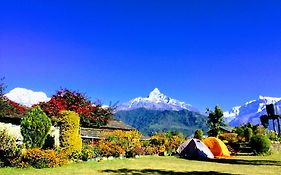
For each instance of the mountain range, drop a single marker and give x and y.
(251, 111)
(157, 101)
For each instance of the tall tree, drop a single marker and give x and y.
(215, 120)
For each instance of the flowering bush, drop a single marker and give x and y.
(166, 142)
(65, 99)
(9, 107)
(87, 153)
(7, 145)
(230, 137)
(128, 140)
(38, 158)
(107, 148)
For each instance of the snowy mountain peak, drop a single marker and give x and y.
(251, 111)
(26, 97)
(157, 96)
(269, 100)
(155, 101)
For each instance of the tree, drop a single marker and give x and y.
(215, 120)
(7, 106)
(90, 115)
(198, 134)
(35, 128)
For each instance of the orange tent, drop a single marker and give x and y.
(217, 147)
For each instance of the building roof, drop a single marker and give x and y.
(98, 132)
(117, 124)
(14, 119)
(226, 128)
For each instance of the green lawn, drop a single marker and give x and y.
(164, 165)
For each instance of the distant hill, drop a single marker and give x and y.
(149, 121)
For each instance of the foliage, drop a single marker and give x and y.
(260, 144)
(165, 142)
(35, 127)
(272, 135)
(7, 145)
(198, 134)
(248, 132)
(70, 139)
(9, 107)
(229, 137)
(108, 148)
(259, 130)
(183, 121)
(245, 132)
(127, 140)
(87, 153)
(91, 115)
(215, 120)
(38, 158)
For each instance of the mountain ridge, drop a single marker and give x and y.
(251, 111)
(155, 101)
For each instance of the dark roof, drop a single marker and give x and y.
(226, 128)
(117, 124)
(98, 132)
(14, 119)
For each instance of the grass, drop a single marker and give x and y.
(164, 166)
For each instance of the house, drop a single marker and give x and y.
(96, 133)
(93, 133)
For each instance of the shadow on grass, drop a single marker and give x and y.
(246, 162)
(160, 172)
(238, 161)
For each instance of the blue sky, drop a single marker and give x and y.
(201, 52)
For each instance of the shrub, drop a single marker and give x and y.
(151, 150)
(127, 140)
(87, 153)
(272, 135)
(107, 148)
(259, 130)
(35, 127)
(166, 142)
(198, 134)
(248, 132)
(38, 158)
(229, 137)
(7, 145)
(260, 144)
(70, 139)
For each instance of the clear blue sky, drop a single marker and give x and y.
(201, 52)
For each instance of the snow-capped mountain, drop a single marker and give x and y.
(155, 101)
(251, 111)
(26, 97)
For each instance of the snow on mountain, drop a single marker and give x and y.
(251, 111)
(26, 97)
(155, 101)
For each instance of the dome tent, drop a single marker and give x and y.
(217, 147)
(194, 149)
